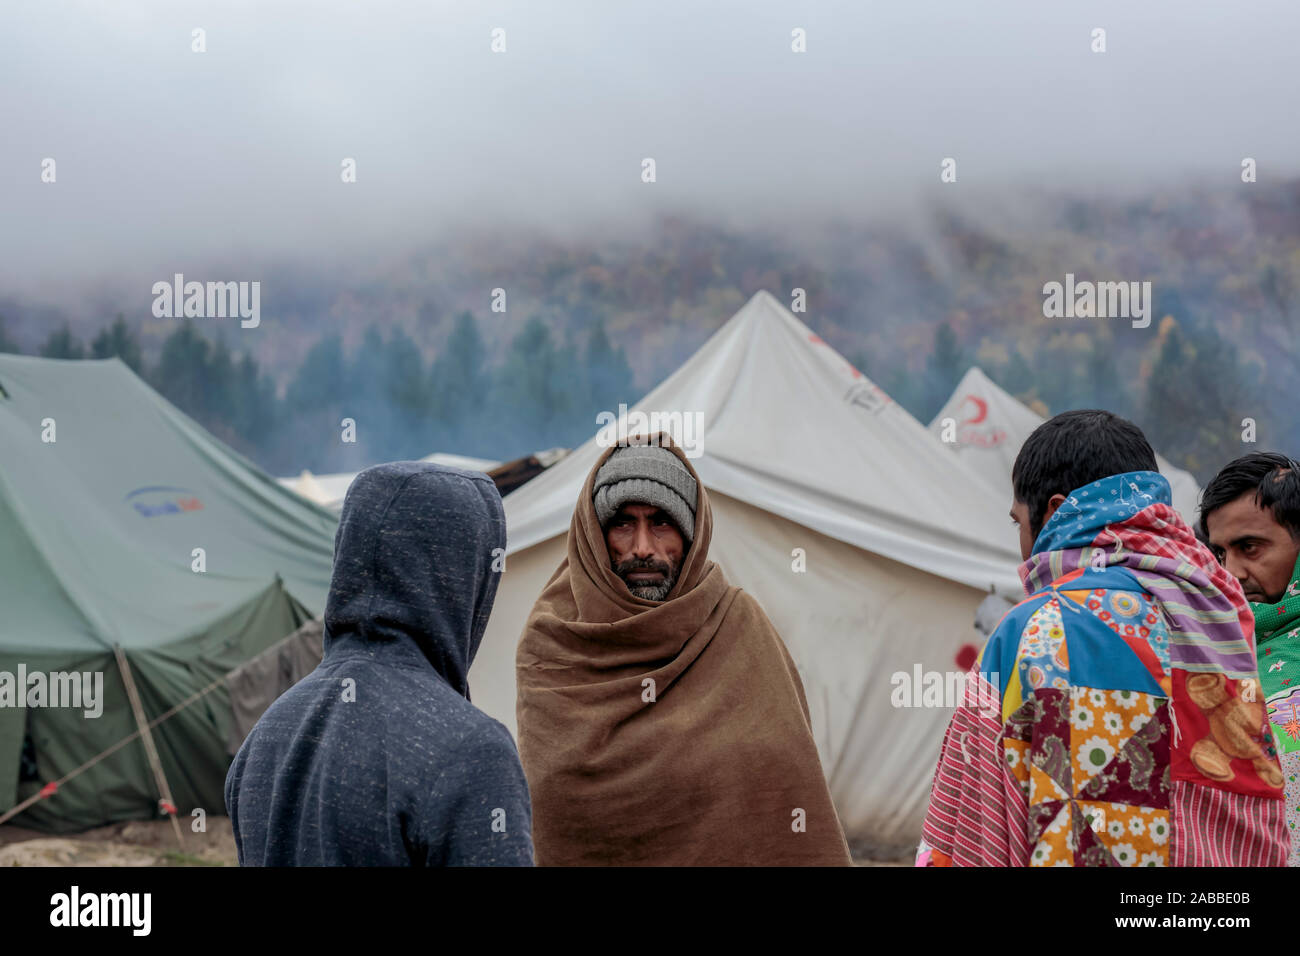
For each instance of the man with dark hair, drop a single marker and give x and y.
(1250, 514)
(1068, 452)
(1111, 719)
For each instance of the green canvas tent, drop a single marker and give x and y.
(107, 495)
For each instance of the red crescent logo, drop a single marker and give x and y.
(981, 414)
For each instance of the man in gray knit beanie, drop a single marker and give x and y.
(645, 502)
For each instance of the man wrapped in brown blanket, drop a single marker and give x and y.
(661, 719)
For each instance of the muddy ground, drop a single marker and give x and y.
(153, 843)
(139, 843)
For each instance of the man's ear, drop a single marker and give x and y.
(1053, 503)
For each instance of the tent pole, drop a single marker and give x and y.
(169, 806)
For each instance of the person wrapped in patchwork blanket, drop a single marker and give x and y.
(1115, 716)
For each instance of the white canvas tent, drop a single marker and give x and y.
(329, 490)
(800, 451)
(991, 425)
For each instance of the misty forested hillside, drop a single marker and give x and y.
(410, 348)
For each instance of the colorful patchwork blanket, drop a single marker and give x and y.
(1115, 717)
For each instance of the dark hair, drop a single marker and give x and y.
(1275, 480)
(1072, 450)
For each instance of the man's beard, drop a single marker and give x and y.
(648, 592)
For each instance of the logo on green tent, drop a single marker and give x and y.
(158, 500)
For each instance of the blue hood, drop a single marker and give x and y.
(377, 757)
(1088, 509)
(413, 564)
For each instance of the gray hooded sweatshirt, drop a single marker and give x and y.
(377, 758)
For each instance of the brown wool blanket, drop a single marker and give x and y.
(718, 769)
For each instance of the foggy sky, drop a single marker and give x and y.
(170, 160)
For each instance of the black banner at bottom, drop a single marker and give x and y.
(228, 905)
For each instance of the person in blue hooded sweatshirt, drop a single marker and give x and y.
(378, 758)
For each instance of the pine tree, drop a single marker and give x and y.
(460, 389)
(570, 394)
(406, 394)
(6, 343)
(946, 365)
(527, 387)
(320, 379)
(1196, 396)
(254, 404)
(62, 344)
(118, 341)
(364, 398)
(219, 384)
(609, 377)
(181, 375)
(316, 402)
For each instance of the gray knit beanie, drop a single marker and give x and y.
(646, 474)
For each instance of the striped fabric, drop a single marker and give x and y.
(1210, 620)
(1213, 827)
(971, 820)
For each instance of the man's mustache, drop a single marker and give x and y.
(624, 568)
